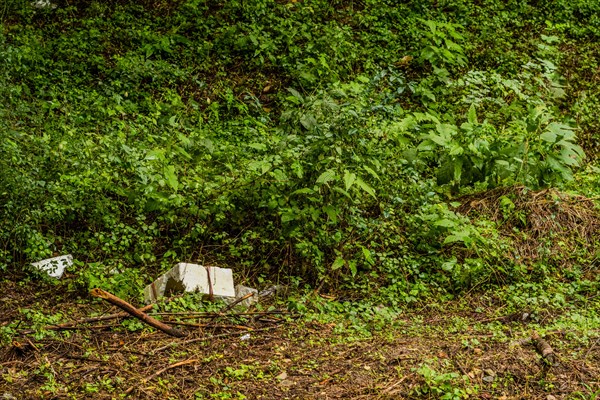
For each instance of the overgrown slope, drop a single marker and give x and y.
(322, 140)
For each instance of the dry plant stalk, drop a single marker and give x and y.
(160, 372)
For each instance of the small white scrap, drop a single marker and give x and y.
(245, 337)
(54, 267)
(41, 4)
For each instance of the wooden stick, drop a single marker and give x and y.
(543, 348)
(159, 372)
(125, 306)
(236, 302)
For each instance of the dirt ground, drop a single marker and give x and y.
(428, 353)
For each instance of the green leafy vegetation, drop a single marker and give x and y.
(343, 145)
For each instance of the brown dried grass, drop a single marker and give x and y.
(543, 223)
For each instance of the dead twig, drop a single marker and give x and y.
(236, 302)
(125, 306)
(74, 328)
(202, 339)
(587, 353)
(95, 319)
(388, 389)
(158, 373)
(247, 328)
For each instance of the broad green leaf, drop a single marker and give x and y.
(259, 165)
(368, 256)
(562, 130)
(288, 216)
(280, 175)
(446, 223)
(331, 212)
(296, 95)
(446, 130)
(449, 265)
(458, 169)
(426, 117)
(338, 263)
(326, 176)
(352, 266)
(171, 177)
(208, 144)
(454, 239)
(308, 121)
(426, 145)
(371, 172)
(455, 149)
(304, 191)
(181, 150)
(156, 154)
(472, 115)
(439, 139)
(258, 146)
(349, 179)
(364, 186)
(342, 191)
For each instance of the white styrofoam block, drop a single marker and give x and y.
(185, 277)
(55, 267)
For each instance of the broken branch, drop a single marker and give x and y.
(236, 302)
(125, 306)
(543, 348)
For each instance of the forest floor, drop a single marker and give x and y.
(458, 349)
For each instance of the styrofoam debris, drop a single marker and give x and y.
(54, 267)
(185, 277)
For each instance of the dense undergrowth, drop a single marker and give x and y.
(324, 142)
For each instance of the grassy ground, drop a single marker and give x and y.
(474, 347)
